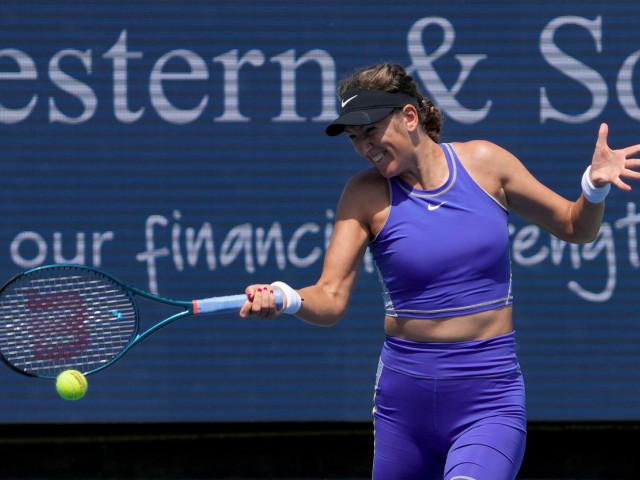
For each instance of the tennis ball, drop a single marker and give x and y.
(71, 385)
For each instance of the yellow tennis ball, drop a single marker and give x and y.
(71, 385)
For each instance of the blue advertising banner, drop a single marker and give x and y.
(180, 146)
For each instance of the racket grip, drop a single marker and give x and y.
(230, 303)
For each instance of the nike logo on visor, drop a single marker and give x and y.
(343, 103)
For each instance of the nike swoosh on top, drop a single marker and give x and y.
(344, 102)
(435, 207)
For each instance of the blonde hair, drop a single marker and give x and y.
(393, 78)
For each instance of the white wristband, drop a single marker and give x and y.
(294, 301)
(592, 193)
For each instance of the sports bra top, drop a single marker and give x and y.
(443, 252)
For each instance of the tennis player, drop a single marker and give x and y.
(449, 394)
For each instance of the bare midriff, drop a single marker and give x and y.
(476, 326)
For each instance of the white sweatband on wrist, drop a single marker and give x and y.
(294, 301)
(592, 193)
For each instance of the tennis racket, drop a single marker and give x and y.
(60, 317)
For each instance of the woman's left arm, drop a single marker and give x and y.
(572, 221)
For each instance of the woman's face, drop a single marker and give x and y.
(384, 144)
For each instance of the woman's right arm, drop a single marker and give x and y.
(325, 302)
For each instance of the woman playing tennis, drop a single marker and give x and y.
(449, 394)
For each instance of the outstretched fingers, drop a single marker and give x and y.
(630, 166)
(632, 150)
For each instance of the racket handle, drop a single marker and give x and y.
(230, 303)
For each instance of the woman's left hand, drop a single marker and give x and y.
(611, 166)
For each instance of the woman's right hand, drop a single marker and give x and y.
(261, 302)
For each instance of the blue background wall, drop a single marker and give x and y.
(180, 146)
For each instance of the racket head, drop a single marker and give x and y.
(61, 317)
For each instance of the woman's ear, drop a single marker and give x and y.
(411, 117)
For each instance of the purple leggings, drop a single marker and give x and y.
(451, 411)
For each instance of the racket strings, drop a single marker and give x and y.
(53, 319)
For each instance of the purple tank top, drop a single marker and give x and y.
(443, 252)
